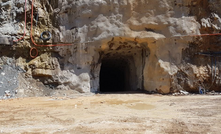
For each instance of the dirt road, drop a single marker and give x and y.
(112, 113)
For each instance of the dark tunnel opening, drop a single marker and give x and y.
(114, 75)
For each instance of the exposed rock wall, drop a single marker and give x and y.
(154, 37)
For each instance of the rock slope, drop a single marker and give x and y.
(160, 43)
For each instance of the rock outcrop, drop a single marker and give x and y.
(156, 45)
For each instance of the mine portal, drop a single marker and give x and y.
(114, 75)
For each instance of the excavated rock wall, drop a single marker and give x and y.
(156, 37)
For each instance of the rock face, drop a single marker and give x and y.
(116, 45)
(8, 77)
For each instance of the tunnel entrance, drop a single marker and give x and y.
(114, 75)
(121, 66)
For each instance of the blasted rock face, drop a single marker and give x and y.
(134, 33)
(117, 45)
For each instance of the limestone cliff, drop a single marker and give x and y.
(154, 45)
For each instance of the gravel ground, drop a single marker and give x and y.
(112, 113)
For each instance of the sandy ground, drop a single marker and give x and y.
(112, 113)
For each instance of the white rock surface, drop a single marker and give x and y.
(152, 34)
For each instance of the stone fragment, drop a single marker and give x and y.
(5, 41)
(44, 72)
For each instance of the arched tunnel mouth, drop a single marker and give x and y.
(114, 75)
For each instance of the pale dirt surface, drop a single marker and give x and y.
(112, 113)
